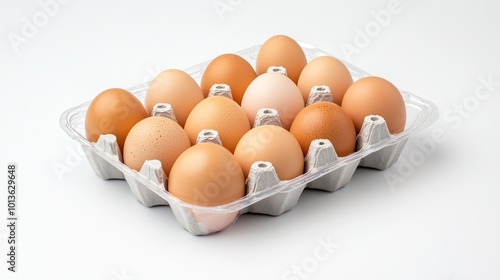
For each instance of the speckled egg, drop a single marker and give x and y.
(325, 120)
(157, 138)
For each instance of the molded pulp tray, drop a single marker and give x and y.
(376, 148)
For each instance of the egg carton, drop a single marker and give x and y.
(265, 193)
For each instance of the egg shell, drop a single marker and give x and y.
(325, 70)
(281, 50)
(325, 120)
(113, 111)
(176, 88)
(207, 174)
(273, 144)
(276, 91)
(375, 96)
(221, 114)
(229, 69)
(157, 138)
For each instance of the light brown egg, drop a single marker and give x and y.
(276, 91)
(325, 71)
(230, 69)
(281, 50)
(221, 114)
(273, 144)
(207, 174)
(113, 111)
(375, 96)
(325, 120)
(157, 138)
(176, 88)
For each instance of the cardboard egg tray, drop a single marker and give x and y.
(265, 193)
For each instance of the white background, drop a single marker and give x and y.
(440, 221)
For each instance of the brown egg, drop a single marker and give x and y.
(229, 69)
(325, 71)
(281, 50)
(375, 96)
(113, 111)
(157, 138)
(207, 174)
(273, 90)
(325, 120)
(221, 114)
(176, 88)
(273, 144)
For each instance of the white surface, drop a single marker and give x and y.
(441, 223)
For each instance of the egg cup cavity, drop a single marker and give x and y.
(374, 130)
(152, 171)
(263, 177)
(266, 194)
(108, 146)
(322, 153)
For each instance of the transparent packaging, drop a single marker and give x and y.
(266, 194)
